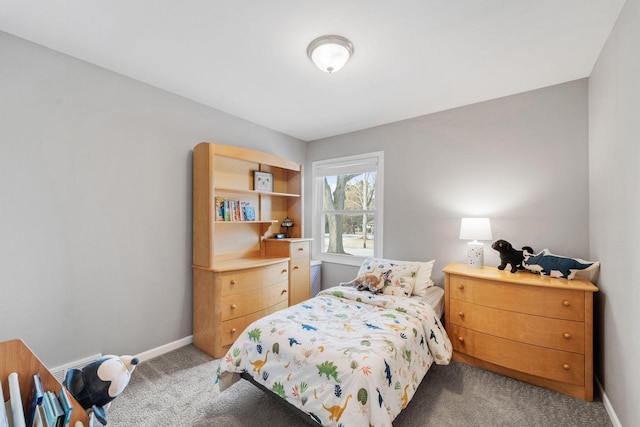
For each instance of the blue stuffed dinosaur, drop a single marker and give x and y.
(548, 264)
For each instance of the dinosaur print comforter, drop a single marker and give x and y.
(348, 358)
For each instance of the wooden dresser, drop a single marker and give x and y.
(532, 328)
(237, 276)
(231, 296)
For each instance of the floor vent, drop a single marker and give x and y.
(60, 372)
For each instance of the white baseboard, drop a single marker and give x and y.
(59, 372)
(159, 351)
(607, 405)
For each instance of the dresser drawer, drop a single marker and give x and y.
(290, 248)
(250, 279)
(237, 305)
(300, 270)
(566, 335)
(537, 300)
(300, 249)
(539, 361)
(231, 329)
(300, 289)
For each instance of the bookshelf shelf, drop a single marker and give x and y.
(271, 221)
(247, 191)
(15, 356)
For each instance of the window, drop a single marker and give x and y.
(347, 208)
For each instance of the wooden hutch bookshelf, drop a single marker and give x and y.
(237, 278)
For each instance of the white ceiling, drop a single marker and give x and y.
(248, 57)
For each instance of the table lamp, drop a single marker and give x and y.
(475, 229)
(287, 223)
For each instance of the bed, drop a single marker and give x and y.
(350, 356)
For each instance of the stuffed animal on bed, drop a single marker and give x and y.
(548, 264)
(369, 282)
(98, 383)
(508, 255)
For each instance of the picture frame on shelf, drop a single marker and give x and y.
(262, 181)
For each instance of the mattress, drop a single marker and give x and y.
(435, 298)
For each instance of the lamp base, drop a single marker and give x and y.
(475, 255)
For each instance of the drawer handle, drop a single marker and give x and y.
(284, 291)
(461, 339)
(567, 335)
(233, 281)
(566, 303)
(233, 330)
(296, 268)
(461, 287)
(300, 249)
(461, 314)
(234, 306)
(566, 367)
(284, 270)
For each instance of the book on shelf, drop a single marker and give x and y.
(49, 416)
(226, 211)
(219, 208)
(35, 399)
(249, 213)
(237, 215)
(66, 406)
(40, 418)
(17, 412)
(234, 210)
(56, 407)
(4, 421)
(244, 204)
(7, 411)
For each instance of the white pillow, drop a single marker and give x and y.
(423, 281)
(399, 276)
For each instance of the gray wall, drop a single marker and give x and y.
(95, 203)
(520, 160)
(614, 152)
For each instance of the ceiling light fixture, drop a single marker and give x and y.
(330, 53)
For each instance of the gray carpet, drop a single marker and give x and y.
(178, 390)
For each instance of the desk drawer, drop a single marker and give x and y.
(537, 300)
(566, 335)
(542, 362)
(250, 279)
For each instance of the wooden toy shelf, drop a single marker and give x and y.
(15, 356)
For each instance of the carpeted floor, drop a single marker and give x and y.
(178, 390)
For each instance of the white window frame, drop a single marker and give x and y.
(359, 163)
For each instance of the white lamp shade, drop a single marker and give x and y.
(475, 229)
(330, 53)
